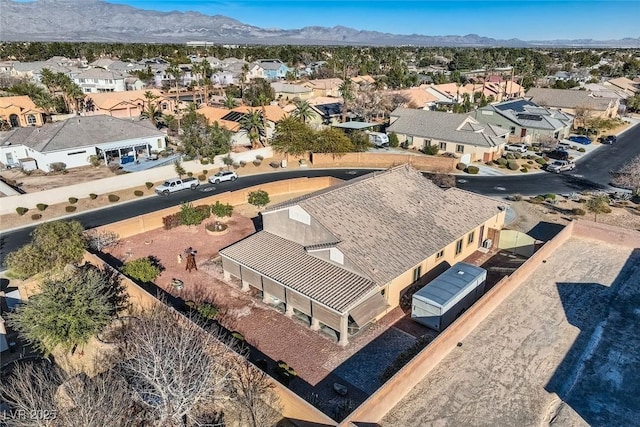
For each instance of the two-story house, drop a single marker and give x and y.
(527, 122)
(290, 91)
(20, 111)
(273, 69)
(342, 257)
(98, 80)
(324, 87)
(573, 101)
(458, 134)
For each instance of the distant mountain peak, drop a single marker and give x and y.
(101, 21)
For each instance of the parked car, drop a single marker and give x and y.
(561, 166)
(223, 176)
(177, 184)
(609, 139)
(557, 154)
(520, 148)
(580, 139)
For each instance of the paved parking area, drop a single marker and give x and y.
(564, 346)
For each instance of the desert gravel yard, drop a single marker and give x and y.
(563, 349)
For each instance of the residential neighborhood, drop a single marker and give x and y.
(274, 235)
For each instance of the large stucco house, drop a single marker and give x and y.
(128, 104)
(458, 134)
(343, 256)
(74, 140)
(20, 111)
(575, 101)
(527, 122)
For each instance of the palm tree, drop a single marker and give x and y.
(303, 111)
(253, 126)
(346, 90)
(175, 71)
(230, 102)
(150, 110)
(243, 77)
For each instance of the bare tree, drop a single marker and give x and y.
(253, 396)
(174, 366)
(629, 176)
(99, 240)
(30, 392)
(546, 141)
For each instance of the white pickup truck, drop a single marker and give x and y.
(561, 165)
(177, 184)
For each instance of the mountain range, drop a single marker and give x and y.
(100, 21)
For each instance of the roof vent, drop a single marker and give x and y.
(460, 272)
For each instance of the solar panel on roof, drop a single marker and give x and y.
(233, 116)
(533, 117)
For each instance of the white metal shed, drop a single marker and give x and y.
(446, 297)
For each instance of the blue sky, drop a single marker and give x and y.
(504, 19)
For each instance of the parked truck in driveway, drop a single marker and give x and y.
(561, 166)
(177, 184)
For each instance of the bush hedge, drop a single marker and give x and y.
(204, 161)
(189, 174)
(73, 200)
(205, 171)
(581, 150)
(21, 211)
(541, 161)
(578, 211)
(461, 166)
(36, 217)
(172, 221)
(113, 198)
(138, 193)
(501, 161)
(524, 170)
(257, 162)
(243, 163)
(259, 157)
(58, 167)
(149, 185)
(550, 196)
(202, 177)
(70, 208)
(42, 206)
(473, 170)
(93, 196)
(513, 166)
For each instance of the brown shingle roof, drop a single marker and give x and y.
(390, 221)
(288, 263)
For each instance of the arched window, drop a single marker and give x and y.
(31, 119)
(14, 121)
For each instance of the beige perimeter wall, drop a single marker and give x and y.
(382, 160)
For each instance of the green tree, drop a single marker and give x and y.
(221, 210)
(292, 137)
(230, 102)
(633, 103)
(228, 161)
(70, 309)
(253, 125)
(190, 215)
(598, 205)
(53, 246)
(303, 112)
(145, 270)
(36, 93)
(393, 140)
(347, 93)
(177, 166)
(59, 84)
(151, 110)
(258, 92)
(360, 141)
(332, 140)
(258, 198)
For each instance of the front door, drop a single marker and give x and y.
(14, 121)
(9, 158)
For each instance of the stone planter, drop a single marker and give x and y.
(218, 230)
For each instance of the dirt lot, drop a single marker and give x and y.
(568, 334)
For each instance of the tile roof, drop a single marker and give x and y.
(290, 88)
(80, 132)
(625, 84)
(459, 128)
(331, 83)
(109, 100)
(288, 263)
(20, 101)
(100, 73)
(388, 222)
(273, 113)
(416, 95)
(567, 98)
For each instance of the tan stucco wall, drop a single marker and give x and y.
(151, 221)
(375, 160)
(5, 113)
(397, 285)
(477, 153)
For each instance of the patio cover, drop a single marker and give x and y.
(369, 309)
(355, 125)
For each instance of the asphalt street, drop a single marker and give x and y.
(591, 174)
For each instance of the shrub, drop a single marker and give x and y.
(204, 161)
(541, 161)
(550, 196)
(207, 310)
(94, 160)
(42, 206)
(502, 166)
(143, 269)
(513, 166)
(93, 196)
(405, 145)
(204, 171)
(36, 217)
(73, 200)
(113, 198)
(189, 174)
(259, 198)
(489, 163)
(536, 200)
(164, 153)
(257, 162)
(529, 162)
(473, 170)
(190, 215)
(393, 140)
(501, 161)
(57, 167)
(149, 185)
(172, 221)
(243, 163)
(235, 165)
(516, 197)
(70, 208)
(581, 149)
(259, 157)
(21, 211)
(524, 170)
(431, 150)
(461, 166)
(284, 371)
(202, 177)
(138, 193)
(510, 156)
(578, 211)
(238, 336)
(221, 210)
(517, 155)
